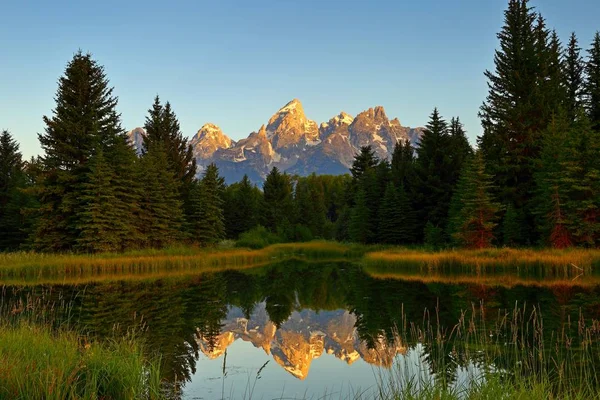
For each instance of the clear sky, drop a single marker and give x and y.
(235, 63)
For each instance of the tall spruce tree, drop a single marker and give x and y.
(396, 217)
(581, 176)
(402, 166)
(278, 202)
(309, 199)
(434, 176)
(161, 215)
(592, 83)
(520, 102)
(459, 148)
(552, 192)
(573, 69)
(84, 121)
(98, 216)
(474, 221)
(360, 224)
(207, 219)
(365, 160)
(12, 198)
(162, 127)
(242, 202)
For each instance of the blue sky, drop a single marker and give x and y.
(235, 63)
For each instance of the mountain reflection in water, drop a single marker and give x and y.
(317, 323)
(306, 335)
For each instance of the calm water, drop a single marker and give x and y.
(294, 329)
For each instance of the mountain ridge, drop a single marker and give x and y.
(295, 144)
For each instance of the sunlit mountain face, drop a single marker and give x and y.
(296, 144)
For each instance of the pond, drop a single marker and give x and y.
(297, 329)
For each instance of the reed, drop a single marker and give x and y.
(509, 356)
(54, 268)
(39, 363)
(583, 259)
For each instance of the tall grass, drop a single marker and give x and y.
(38, 363)
(580, 258)
(514, 356)
(54, 268)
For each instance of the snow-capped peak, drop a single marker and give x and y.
(289, 107)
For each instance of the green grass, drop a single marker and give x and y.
(516, 359)
(39, 363)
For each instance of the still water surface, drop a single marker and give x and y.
(300, 330)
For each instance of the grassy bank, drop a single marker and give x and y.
(54, 268)
(501, 266)
(38, 363)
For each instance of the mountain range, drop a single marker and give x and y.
(295, 144)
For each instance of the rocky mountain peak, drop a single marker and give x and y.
(136, 138)
(208, 140)
(290, 127)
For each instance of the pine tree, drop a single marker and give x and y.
(592, 84)
(402, 166)
(128, 192)
(573, 68)
(434, 176)
(551, 189)
(360, 227)
(309, 199)
(519, 104)
(363, 161)
(459, 148)
(397, 223)
(99, 222)
(84, 121)
(408, 226)
(208, 221)
(12, 199)
(512, 227)
(581, 179)
(278, 202)
(241, 207)
(161, 213)
(162, 127)
(475, 221)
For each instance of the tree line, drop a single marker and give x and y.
(534, 178)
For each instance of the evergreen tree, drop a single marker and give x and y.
(161, 213)
(581, 179)
(397, 223)
(434, 176)
(241, 207)
(363, 161)
(162, 127)
(592, 84)
(278, 202)
(551, 189)
(12, 198)
(309, 198)
(408, 227)
(84, 121)
(208, 222)
(360, 224)
(512, 227)
(521, 99)
(475, 220)
(459, 148)
(99, 222)
(573, 68)
(402, 166)
(128, 192)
